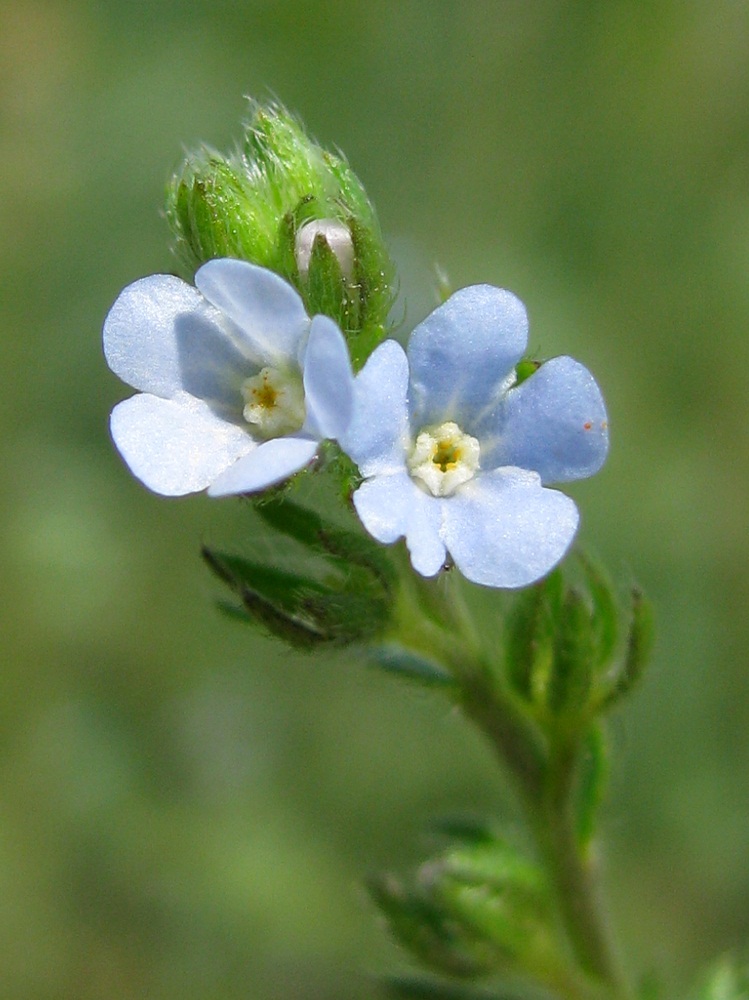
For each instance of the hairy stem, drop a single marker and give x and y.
(543, 766)
(573, 870)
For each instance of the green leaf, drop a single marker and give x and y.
(271, 598)
(411, 666)
(292, 520)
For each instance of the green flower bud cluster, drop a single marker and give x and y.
(285, 203)
(567, 665)
(561, 648)
(480, 908)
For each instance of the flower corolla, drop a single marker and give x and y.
(456, 449)
(237, 384)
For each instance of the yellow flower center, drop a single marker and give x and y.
(443, 458)
(274, 402)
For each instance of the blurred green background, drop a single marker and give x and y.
(187, 811)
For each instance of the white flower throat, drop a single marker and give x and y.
(443, 458)
(274, 402)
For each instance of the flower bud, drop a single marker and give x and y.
(284, 202)
(563, 652)
(206, 204)
(480, 908)
(338, 238)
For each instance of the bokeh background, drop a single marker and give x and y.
(186, 810)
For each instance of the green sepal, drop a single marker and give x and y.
(605, 616)
(498, 895)
(327, 291)
(291, 519)
(234, 612)
(407, 988)
(494, 863)
(480, 907)
(464, 829)
(561, 642)
(426, 930)
(394, 659)
(341, 589)
(524, 369)
(211, 214)
(572, 663)
(637, 653)
(529, 636)
(284, 260)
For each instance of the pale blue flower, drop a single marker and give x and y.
(237, 385)
(456, 453)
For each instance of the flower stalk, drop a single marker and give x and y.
(574, 871)
(544, 763)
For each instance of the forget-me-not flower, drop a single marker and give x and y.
(237, 385)
(456, 451)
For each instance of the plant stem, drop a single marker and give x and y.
(573, 870)
(544, 771)
(544, 780)
(543, 766)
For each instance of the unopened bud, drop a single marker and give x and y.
(287, 204)
(338, 238)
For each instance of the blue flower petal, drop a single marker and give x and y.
(328, 381)
(554, 423)
(212, 365)
(266, 309)
(461, 354)
(175, 446)
(391, 507)
(377, 436)
(140, 332)
(503, 529)
(270, 463)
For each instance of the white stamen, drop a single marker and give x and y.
(443, 458)
(274, 402)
